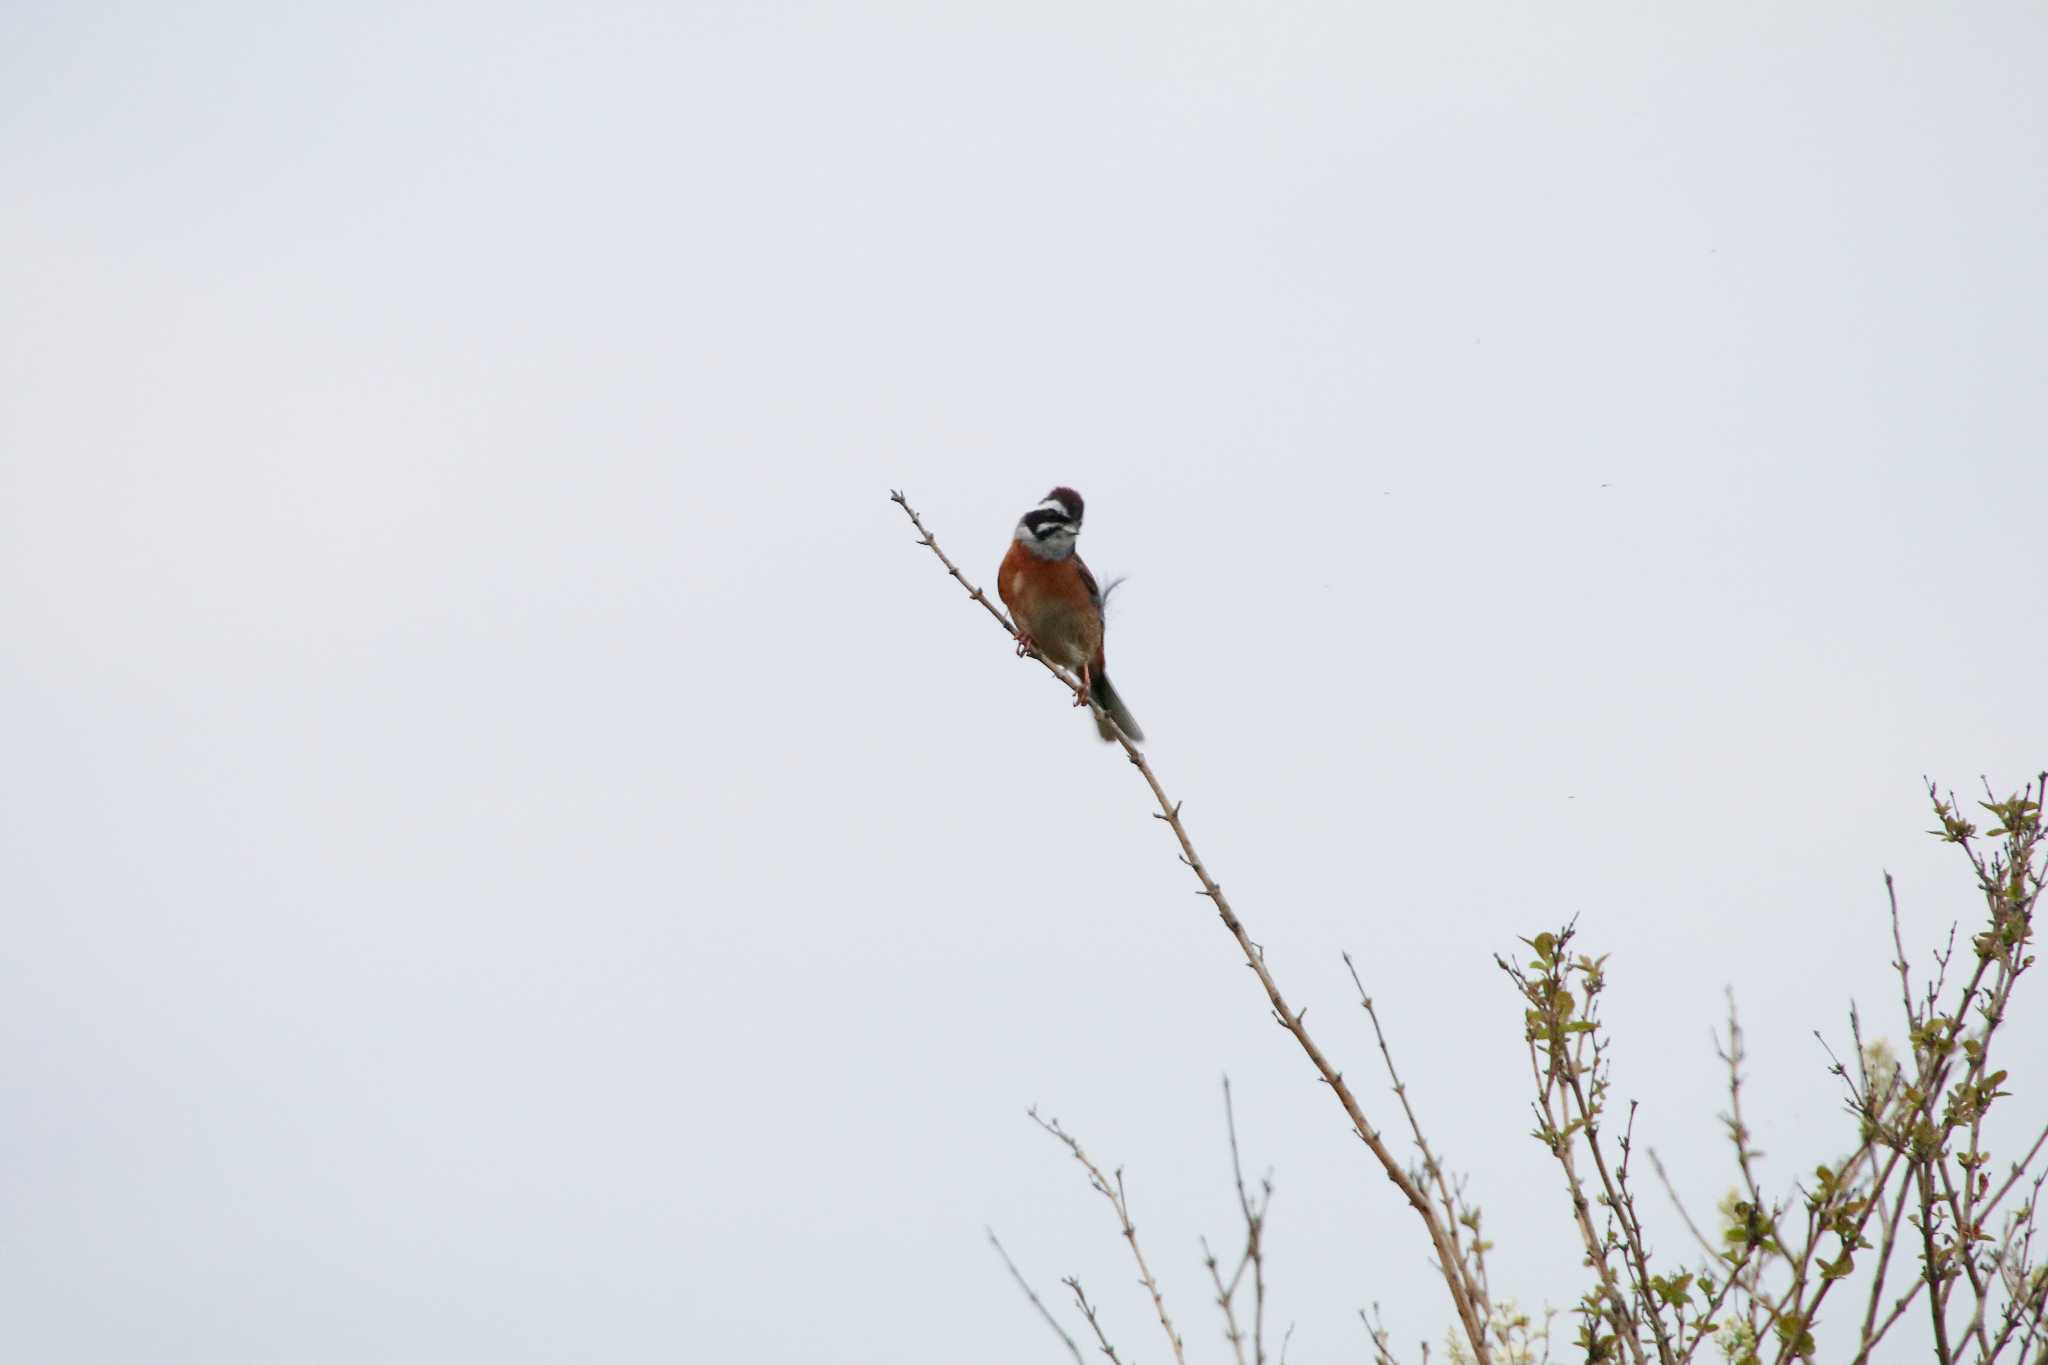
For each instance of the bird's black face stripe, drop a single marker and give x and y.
(1044, 521)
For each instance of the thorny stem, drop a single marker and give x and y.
(1463, 1295)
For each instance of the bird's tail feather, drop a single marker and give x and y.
(1106, 698)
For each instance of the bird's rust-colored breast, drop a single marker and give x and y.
(1049, 600)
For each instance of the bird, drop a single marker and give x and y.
(1057, 607)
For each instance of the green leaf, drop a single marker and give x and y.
(1674, 1291)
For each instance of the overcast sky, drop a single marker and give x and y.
(509, 852)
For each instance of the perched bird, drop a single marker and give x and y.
(1056, 604)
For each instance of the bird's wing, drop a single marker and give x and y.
(1088, 582)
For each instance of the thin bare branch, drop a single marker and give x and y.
(1738, 1131)
(1432, 1169)
(1873, 1330)
(1226, 1295)
(1623, 1207)
(1088, 1312)
(2019, 1169)
(1117, 1200)
(1032, 1295)
(1254, 1232)
(1376, 1328)
(1664, 1178)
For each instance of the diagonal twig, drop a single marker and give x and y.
(1032, 1295)
(1088, 1311)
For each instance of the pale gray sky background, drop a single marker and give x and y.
(510, 853)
